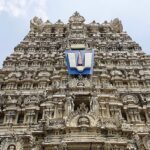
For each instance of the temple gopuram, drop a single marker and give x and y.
(75, 86)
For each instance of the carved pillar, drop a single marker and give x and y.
(56, 113)
(133, 115)
(60, 109)
(107, 110)
(48, 113)
(104, 110)
(16, 119)
(30, 117)
(128, 119)
(10, 117)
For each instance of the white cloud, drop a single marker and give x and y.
(23, 8)
(2, 5)
(16, 7)
(41, 7)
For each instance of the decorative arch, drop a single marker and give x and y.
(11, 144)
(11, 147)
(83, 121)
(130, 98)
(74, 119)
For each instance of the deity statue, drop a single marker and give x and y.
(82, 109)
(94, 105)
(70, 104)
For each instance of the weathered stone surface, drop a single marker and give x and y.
(42, 107)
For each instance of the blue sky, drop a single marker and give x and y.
(15, 17)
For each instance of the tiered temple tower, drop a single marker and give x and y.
(75, 86)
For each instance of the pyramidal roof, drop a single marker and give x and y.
(42, 103)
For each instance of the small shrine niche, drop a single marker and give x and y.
(82, 99)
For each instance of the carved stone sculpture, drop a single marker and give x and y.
(94, 105)
(69, 104)
(44, 107)
(117, 25)
(36, 24)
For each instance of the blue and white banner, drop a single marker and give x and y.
(80, 61)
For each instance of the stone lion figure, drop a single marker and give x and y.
(117, 25)
(36, 24)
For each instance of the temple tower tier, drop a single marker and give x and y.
(75, 85)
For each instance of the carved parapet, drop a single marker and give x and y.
(76, 18)
(59, 27)
(57, 123)
(47, 27)
(94, 27)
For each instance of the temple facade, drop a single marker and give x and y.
(75, 86)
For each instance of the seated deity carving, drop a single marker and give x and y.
(82, 109)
